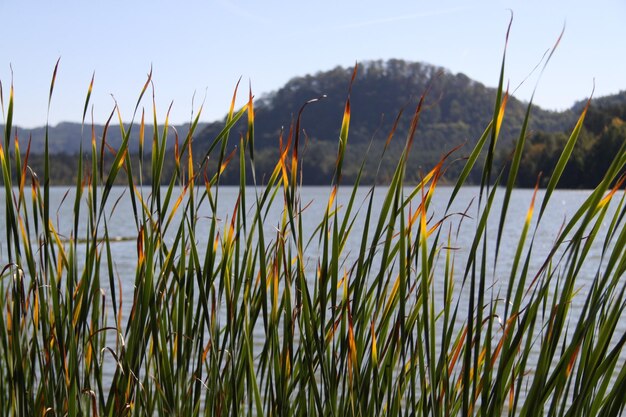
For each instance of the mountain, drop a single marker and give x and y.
(612, 101)
(457, 109)
(66, 137)
(601, 138)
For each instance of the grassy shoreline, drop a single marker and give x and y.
(364, 338)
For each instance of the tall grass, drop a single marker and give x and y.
(402, 330)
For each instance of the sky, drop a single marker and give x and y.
(197, 50)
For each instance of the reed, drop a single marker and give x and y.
(239, 321)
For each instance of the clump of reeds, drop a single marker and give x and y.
(235, 321)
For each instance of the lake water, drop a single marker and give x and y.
(561, 208)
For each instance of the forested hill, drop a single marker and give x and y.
(457, 109)
(601, 137)
(65, 138)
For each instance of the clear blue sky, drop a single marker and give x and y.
(203, 47)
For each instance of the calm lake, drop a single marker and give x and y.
(314, 199)
(122, 228)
